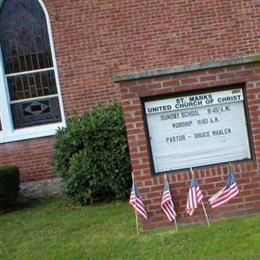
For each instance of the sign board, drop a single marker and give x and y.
(197, 130)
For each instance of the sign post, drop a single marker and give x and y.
(174, 219)
(136, 214)
(202, 203)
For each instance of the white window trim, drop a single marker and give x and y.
(8, 133)
(28, 72)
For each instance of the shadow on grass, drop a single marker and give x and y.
(60, 201)
(25, 203)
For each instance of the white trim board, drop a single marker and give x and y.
(8, 133)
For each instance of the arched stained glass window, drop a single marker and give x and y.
(27, 61)
(24, 37)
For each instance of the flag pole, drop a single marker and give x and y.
(205, 212)
(202, 203)
(230, 167)
(136, 215)
(175, 222)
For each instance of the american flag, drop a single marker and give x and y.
(136, 202)
(167, 204)
(195, 196)
(225, 194)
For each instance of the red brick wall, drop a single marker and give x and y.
(31, 156)
(95, 40)
(211, 179)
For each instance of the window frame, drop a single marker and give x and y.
(8, 133)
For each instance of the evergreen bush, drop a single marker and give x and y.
(91, 156)
(9, 185)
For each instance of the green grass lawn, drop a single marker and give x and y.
(58, 230)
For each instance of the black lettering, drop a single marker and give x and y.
(229, 99)
(170, 116)
(188, 104)
(202, 135)
(219, 109)
(159, 109)
(214, 120)
(202, 121)
(177, 138)
(224, 131)
(190, 113)
(182, 124)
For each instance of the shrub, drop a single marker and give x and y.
(91, 156)
(9, 185)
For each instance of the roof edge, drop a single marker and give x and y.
(186, 68)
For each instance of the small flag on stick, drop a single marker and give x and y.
(167, 205)
(136, 202)
(227, 193)
(195, 196)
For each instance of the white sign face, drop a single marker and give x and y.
(197, 130)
